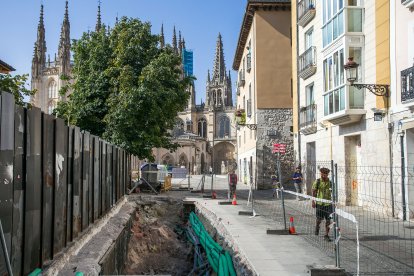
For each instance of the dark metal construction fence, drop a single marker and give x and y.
(372, 233)
(55, 181)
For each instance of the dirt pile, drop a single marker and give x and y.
(158, 243)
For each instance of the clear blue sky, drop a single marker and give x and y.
(199, 22)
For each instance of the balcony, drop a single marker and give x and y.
(307, 63)
(306, 12)
(407, 85)
(241, 78)
(344, 105)
(308, 119)
(249, 108)
(408, 3)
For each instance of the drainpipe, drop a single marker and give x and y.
(404, 207)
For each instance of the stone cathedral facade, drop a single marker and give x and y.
(206, 132)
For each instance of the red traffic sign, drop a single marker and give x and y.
(281, 148)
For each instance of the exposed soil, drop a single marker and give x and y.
(158, 243)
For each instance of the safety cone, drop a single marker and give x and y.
(214, 195)
(292, 230)
(234, 201)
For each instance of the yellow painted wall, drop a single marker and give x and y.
(273, 59)
(294, 69)
(382, 42)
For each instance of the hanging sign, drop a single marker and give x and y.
(280, 148)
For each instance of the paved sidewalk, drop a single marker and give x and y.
(266, 254)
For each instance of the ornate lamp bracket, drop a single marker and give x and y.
(376, 89)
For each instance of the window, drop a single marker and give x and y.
(52, 89)
(334, 83)
(202, 127)
(224, 127)
(189, 125)
(309, 39)
(309, 94)
(334, 13)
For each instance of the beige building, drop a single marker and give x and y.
(263, 62)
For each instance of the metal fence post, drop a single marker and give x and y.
(279, 171)
(334, 180)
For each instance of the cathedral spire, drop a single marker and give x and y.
(174, 42)
(162, 39)
(219, 70)
(64, 43)
(208, 76)
(183, 43)
(39, 55)
(98, 18)
(180, 43)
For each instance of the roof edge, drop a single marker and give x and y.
(251, 7)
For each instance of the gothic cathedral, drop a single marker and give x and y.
(206, 132)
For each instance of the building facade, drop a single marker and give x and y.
(263, 63)
(366, 131)
(205, 132)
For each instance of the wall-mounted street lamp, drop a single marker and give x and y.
(351, 68)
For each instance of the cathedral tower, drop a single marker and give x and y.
(218, 89)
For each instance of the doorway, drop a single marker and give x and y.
(352, 160)
(310, 170)
(409, 184)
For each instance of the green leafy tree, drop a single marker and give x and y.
(87, 106)
(17, 86)
(126, 88)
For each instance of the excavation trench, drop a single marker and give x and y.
(158, 242)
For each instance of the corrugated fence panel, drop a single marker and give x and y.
(96, 178)
(109, 179)
(69, 213)
(104, 190)
(77, 183)
(48, 161)
(61, 166)
(18, 186)
(85, 180)
(90, 181)
(6, 170)
(32, 232)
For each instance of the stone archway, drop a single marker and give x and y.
(183, 160)
(223, 153)
(167, 159)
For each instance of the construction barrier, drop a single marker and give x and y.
(219, 259)
(166, 186)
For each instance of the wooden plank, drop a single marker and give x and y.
(60, 166)
(18, 189)
(77, 184)
(69, 177)
(96, 178)
(6, 171)
(85, 179)
(48, 161)
(33, 203)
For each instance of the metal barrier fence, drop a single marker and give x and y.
(55, 181)
(374, 234)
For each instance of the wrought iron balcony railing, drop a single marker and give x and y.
(308, 119)
(307, 63)
(249, 62)
(306, 11)
(407, 85)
